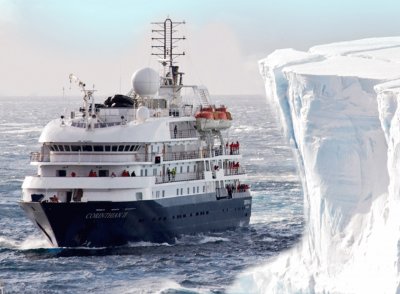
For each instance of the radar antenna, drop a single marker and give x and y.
(164, 43)
(88, 95)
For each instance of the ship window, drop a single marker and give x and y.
(139, 196)
(98, 148)
(51, 148)
(145, 172)
(194, 168)
(197, 189)
(188, 169)
(115, 148)
(181, 169)
(181, 191)
(188, 190)
(127, 148)
(132, 148)
(204, 189)
(163, 193)
(177, 191)
(87, 148)
(194, 190)
(154, 171)
(104, 173)
(55, 147)
(61, 147)
(158, 194)
(121, 148)
(75, 148)
(61, 173)
(141, 173)
(107, 148)
(66, 148)
(207, 166)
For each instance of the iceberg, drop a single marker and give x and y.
(339, 105)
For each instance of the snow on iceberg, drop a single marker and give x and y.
(340, 108)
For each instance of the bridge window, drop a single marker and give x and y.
(87, 148)
(98, 148)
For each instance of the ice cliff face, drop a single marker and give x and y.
(340, 108)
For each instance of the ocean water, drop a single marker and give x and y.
(206, 263)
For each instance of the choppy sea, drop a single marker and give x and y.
(206, 263)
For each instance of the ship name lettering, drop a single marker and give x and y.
(106, 215)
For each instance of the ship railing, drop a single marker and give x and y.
(169, 178)
(96, 125)
(37, 157)
(233, 171)
(223, 151)
(182, 134)
(182, 155)
(186, 155)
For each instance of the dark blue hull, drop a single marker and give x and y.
(99, 224)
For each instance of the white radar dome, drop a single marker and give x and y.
(145, 82)
(142, 113)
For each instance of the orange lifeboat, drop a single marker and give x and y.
(207, 119)
(221, 108)
(204, 114)
(208, 108)
(220, 115)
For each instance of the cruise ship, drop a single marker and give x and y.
(150, 165)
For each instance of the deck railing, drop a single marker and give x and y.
(179, 177)
(124, 156)
(234, 171)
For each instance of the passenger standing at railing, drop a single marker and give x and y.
(173, 172)
(175, 131)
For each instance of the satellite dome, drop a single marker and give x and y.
(142, 113)
(145, 82)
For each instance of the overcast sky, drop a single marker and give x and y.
(104, 41)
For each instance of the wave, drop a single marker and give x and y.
(159, 286)
(31, 242)
(146, 244)
(199, 239)
(21, 131)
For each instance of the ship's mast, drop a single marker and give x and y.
(164, 42)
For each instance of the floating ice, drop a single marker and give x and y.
(339, 105)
